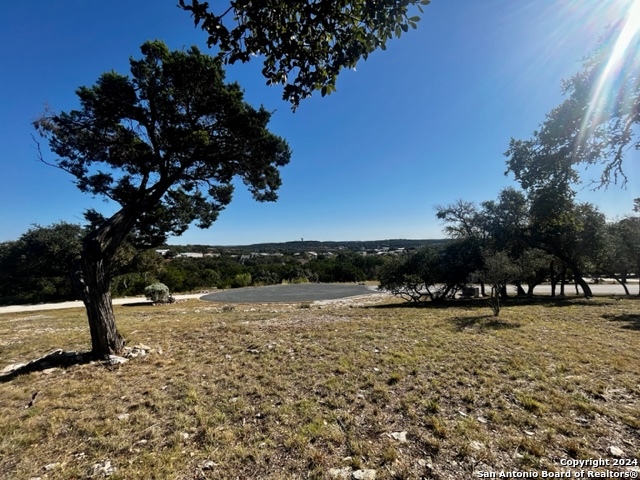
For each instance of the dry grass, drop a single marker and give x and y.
(291, 391)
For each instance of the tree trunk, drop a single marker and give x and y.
(586, 289)
(92, 278)
(621, 280)
(105, 339)
(532, 285)
(494, 300)
(554, 280)
(623, 283)
(483, 292)
(520, 291)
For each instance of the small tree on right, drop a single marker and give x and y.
(499, 270)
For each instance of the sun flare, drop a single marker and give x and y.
(623, 62)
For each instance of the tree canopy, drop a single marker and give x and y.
(305, 44)
(596, 124)
(167, 141)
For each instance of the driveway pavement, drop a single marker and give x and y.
(304, 292)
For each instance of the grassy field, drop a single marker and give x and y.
(299, 391)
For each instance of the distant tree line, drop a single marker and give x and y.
(523, 239)
(36, 267)
(518, 239)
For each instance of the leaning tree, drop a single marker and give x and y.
(165, 144)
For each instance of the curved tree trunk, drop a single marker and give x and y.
(92, 278)
(586, 289)
(622, 280)
(531, 286)
(623, 283)
(105, 339)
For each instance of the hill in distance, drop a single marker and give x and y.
(314, 246)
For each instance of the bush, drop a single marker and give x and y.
(157, 293)
(241, 280)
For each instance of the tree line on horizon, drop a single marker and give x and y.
(36, 268)
(508, 241)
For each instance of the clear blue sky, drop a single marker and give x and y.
(424, 123)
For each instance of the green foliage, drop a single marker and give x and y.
(423, 274)
(36, 267)
(499, 270)
(157, 293)
(131, 284)
(241, 280)
(621, 255)
(187, 274)
(304, 45)
(346, 267)
(159, 142)
(596, 123)
(396, 278)
(458, 261)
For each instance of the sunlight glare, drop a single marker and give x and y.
(610, 90)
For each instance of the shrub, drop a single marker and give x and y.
(157, 293)
(241, 280)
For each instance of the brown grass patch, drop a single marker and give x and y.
(281, 392)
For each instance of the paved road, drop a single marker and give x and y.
(78, 304)
(305, 292)
(273, 293)
(299, 293)
(596, 289)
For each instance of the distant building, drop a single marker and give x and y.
(190, 255)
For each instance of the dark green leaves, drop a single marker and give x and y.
(595, 124)
(304, 44)
(166, 142)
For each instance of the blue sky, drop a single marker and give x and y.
(423, 123)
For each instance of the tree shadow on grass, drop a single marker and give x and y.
(511, 301)
(483, 322)
(469, 303)
(56, 359)
(632, 320)
(138, 304)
